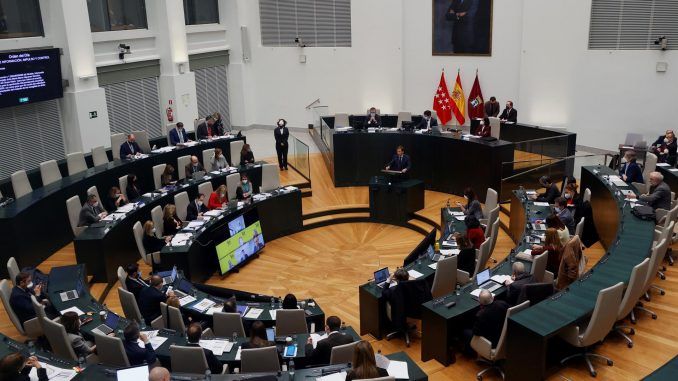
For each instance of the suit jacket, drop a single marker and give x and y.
(23, 375)
(174, 136)
(135, 286)
(509, 115)
(484, 131)
(369, 123)
(566, 217)
(80, 346)
(397, 164)
(659, 197)
(137, 355)
(490, 321)
(149, 303)
(21, 303)
(321, 354)
(203, 132)
(515, 288)
(192, 211)
(424, 125)
(491, 109)
(129, 149)
(190, 169)
(89, 215)
(632, 171)
(281, 136)
(661, 146)
(169, 226)
(466, 260)
(212, 361)
(550, 195)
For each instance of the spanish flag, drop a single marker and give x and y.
(458, 101)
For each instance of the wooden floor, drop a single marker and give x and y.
(329, 263)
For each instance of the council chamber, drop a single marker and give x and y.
(337, 190)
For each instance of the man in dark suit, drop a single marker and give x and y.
(659, 196)
(281, 135)
(196, 208)
(552, 191)
(205, 129)
(518, 281)
(91, 212)
(130, 148)
(135, 354)
(462, 14)
(399, 162)
(193, 335)
(178, 135)
(489, 320)
(427, 122)
(509, 114)
(323, 350)
(630, 171)
(372, 119)
(492, 107)
(193, 167)
(150, 299)
(20, 299)
(565, 214)
(133, 282)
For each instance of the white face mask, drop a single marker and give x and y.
(95, 204)
(623, 160)
(244, 181)
(30, 285)
(666, 140)
(557, 209)
(153, 230)
(568, 196)
(223, 195)
(199, 203)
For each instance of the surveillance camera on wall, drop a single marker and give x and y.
(122, 50)
(299, 42)
(662, 41)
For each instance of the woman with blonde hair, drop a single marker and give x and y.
(364, 366)
(568, 271)
(151, 242)
(171, 223)
(553, 245)
(218, 198)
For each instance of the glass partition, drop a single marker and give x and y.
(298, 158)
(326, 132)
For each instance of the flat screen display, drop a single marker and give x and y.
(237, 245)
(30, 76)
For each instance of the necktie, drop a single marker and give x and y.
(181, 136)
(131, 147)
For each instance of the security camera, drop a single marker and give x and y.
(299, 42)
(662, 41)
(122, 50)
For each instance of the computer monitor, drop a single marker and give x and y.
(483, 277)
(236, 225)
(241, 240)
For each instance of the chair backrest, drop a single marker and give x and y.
(164, 313)
(73, 207)
(341, 120)
(587, 195)
(122, 277)
(259, 360)
(445, 278)
(385, 378)
(206, 157)
(122, 183)
(156, 217)
(116, 142)
(342, 354)
(495, 127)
(270, 177)
(5, 293)
(93, 190)
(537, 292)
(20, 184)
(157, 175)
(181, 201)
(174, 319)
(634, 289)
(12, 269)
(188, 359)
(539, 266)
(604, 314)
(142, 140)
(49, 172)
(667, 232)
(58, 339)
(138, 232)
(650, 165)
(76, 163)
(129, 305)
(494, 232)
(182, 162)
(226, 323)
(501, 347)
(40, 314)
(403, 116)
(491, 198)
(207, 189)
(579, 229)
(232, 183)
(656, 258)
(236, 147)
(492, 217)
(483, 254)
(110, 351)
(290, 322)
(99, 156)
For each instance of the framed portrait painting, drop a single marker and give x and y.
(462, 27)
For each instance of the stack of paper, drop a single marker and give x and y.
(341, 376)
(214, 308)
(203, 305)
(53, 373)
(414, 274)
(316, 337)
(125, 208)
(457, 213)
(186, 300)
(163, 149)
(197, 224)
(397, 369)
(460, 218)
(214, 213)
(540, 203)
(500, 278)
(661, 164)
(114, 216)
(433, 265)
(254, 313)
(180, 239)
(153, 338)
(449, 252)
(218, 347)
(73, 309)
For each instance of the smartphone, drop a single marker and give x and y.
(290, 351)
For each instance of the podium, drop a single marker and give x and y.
(393, 200)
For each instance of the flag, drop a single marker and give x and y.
(475, 101)
(441, 101)
(458, 101)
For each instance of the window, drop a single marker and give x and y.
(134, 104)
(201, 12)
(633, 24)
(106, 15)
(20, 18)
(317, 22)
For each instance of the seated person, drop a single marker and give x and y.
(133, 190)
(472, 207)
(130, 148)
(509, 114)
(71, 323)
(218, 127)
(399, 162)
(159, 373)
(551, 190)
(91, 212)
(258, 338)
(321, 354)
(246, 155)
(134, 282)
(193, 335)
(364, 365)
(197, 208)
(372, 119)
(16, 367)
(151, 241)
(484, 129)
(150, 299)
(244, 190)
(572, 195)
(564, 213)
(400, 275)
(168, 177)
(474, 232)
(659, 196)
(427, 122)
(552, 221)
(290, 302)
(489, 321)
(171, 223)
(665, 148)
(204, 130)
(553, 245)
(466, 259)
(568, 271)
(630, 170)
(218, 161)
(136, 354)
(173, 301)
(178, 135)
(115, 199)
(230, 306)
(193, 167)
(519, 279)
(20, 298)
(218, 198)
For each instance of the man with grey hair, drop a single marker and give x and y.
(159, 374)
(659, 196)
(193, 167)
(489, 321)
(518, 281)
(91, 212)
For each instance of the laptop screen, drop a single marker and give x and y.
(112, 320)
(430, 252)
(133, 374)
(185, 286)
(270, 334)
(483, 277)
(381, 275)
(241, 308)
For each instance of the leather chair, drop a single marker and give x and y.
(20, 184)
(122, 277)
(579, 229)
(172, 318)
(169, 127)
(538, 268)
(76, 163)
(342, 354)
(143, 141)
(182, 162)
(495, 127)
(188, 359)
(259, 360)
(122, 184)
(73, 206)
(656, 256)
(49, 172)
(290, 322)
(181, 201)
(631, 296)
(206, 188)
(236, 147)
(403, 116)
(445, 278)
(482, 256)
(158, 170)
(30, 328)
(58, 340)
(270, 178)
(110, 350)
(93, 190)
(586, 196)
(341, 120)
(232, 183)
(227, 323)
(12, 269)
(492, 217)
(116, 142)
(150, 259)
(491, 199)
(131, 309)
(207, 155)
(494, 233)
(156, 217)
(535, 293)
(99, 156)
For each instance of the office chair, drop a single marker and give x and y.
(290, 322)
(20, 184)
(76, 163)
(158, 170)
(631, 296)
(342, 354)
(405, 302)
(111, 351)
(186, 359)
(259, 360)
(49, 172)
(99, 156)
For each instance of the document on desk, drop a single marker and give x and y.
(673, 170)
(254, 313)
(316, 337)
(273, 313)
(155, 340)
(616, 180)
(53, 373)
(73, 309)
(218, 347)
(197, 224)
(476, 292)
(214, 213)
(450, 243)
(661, 164)
(398, 369)
(500, 278)
(237, 354)
(433, 265)
(341, 376)
(414, 274)
(125, 208)
(114, 216)
(214, 308)
(541, 203)
(180, 239)
(203, 305)
(187, 300)
(460, 218)
(449, 252)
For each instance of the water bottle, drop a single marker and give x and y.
(208, 375)
(81, 362)
(290, 368)
(272, 301)
(235, 337)
(31, 348)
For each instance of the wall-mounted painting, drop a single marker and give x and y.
(462, 27)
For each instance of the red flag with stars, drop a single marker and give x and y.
(441, 102)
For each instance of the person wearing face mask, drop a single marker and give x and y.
(20, 299)
(115, 199)
(472, 207)
(372, 119)
(196, 209)
(218, 198)
(281, 135)
(665, 148)
(244, 190)
(134, 282)
(509, 114)
(427, 122)
(564, 213)
(130, 148)
(483, 129)
(630, 170)
(193, 167)
(91, 212)
(171, 223)
(178, 136)
(571, 195)
(218, 161)
(133, 191)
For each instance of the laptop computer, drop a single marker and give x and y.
(484, 282)
(538, 226)
(432, 254)
(381, 277)
(109, 326)
(168, 277)
(69, 295)
(198, 175)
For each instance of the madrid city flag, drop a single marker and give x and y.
(441, 101)
(458, 101)
(476, 105)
